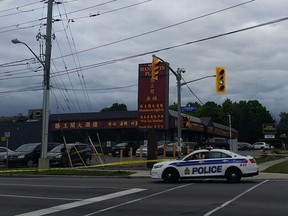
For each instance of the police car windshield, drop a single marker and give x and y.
(200, 155)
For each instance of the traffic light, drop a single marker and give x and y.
(155, 68)
(185, 121)
(220, 86)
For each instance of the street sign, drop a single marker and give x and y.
(188, 108)
(7, 134)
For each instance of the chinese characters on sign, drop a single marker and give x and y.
(94, 124)
(153, 97)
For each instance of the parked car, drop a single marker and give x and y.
(144, 151)
(3, 153)
(215, 142)
(79, 153)
(171, 147)
(261, 145)
(125, 147)
(27, 154)
(244, 146)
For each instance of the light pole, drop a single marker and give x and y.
(230, 132)
(16, 41)
(44, 161)
(45, 118)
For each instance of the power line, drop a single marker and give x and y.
(87, 67)
(160, 29)
(16, 8)
(98, 89)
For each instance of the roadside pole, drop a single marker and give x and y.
(7, 135)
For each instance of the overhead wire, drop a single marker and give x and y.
(73, 57)
(87, 67)
(110, 11)
(77, 61)
(19, 25)
(162, 28)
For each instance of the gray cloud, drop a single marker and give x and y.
(255, 60)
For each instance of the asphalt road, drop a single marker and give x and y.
(84, 196)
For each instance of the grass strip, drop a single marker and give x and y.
(278, 168)
(68, 172)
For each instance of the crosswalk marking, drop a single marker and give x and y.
(81, 203)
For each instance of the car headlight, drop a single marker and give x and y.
(21, 156)
(157, 166)
(58, 156)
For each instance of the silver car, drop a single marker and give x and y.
(3, 153)
(261, 145)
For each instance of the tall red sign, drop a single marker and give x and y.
(153, 97)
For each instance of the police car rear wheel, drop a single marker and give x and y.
(170, 175)
(233, 175)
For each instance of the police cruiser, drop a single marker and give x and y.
(212, 163)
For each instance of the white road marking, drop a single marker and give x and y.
(232, 200)
(137, 200)
(37, 197)
(81, 203)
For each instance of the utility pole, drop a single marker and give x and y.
(44, 161)
(178, 78)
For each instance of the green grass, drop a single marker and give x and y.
(278, 168)
(267, 158)
(68, 172)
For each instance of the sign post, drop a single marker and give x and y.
(7, 135)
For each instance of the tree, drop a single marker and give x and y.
(247, 117)
(210, 109)
(282, 127)
(115, 107)
(173, 106)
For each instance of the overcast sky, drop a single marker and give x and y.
(90, 35)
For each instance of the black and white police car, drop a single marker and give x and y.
(207, 163)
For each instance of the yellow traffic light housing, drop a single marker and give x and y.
(185, 121)
(220, 84)
(155, 68)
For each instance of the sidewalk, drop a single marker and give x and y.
(262, 175)
(263, 166)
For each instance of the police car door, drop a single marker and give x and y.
(194, 165)
(208, 165)
(217, 163)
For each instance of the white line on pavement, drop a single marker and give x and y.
(232, 200)
(137, 200)
(81, 203)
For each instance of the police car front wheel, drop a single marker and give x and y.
(233, 175)
(170, 175)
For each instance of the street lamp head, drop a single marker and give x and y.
(15, 41)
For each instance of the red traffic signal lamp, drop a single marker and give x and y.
(220, 84)
(155, 68)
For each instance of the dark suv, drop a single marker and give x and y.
(79, 153)
(125, 147)
(215, 142)
(28, 154)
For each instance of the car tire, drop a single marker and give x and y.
(233, 175)
(29, 163)
(170, 175)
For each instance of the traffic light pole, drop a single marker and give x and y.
(178, 78)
